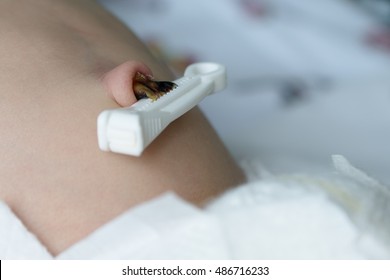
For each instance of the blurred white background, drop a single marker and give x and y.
(307, 78)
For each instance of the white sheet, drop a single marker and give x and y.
(288, 217)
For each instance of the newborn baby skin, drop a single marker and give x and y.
(63, 62)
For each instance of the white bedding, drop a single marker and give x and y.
(284, 217)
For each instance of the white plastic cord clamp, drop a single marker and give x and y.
(130, 130)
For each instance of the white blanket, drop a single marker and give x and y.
(276, 217)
